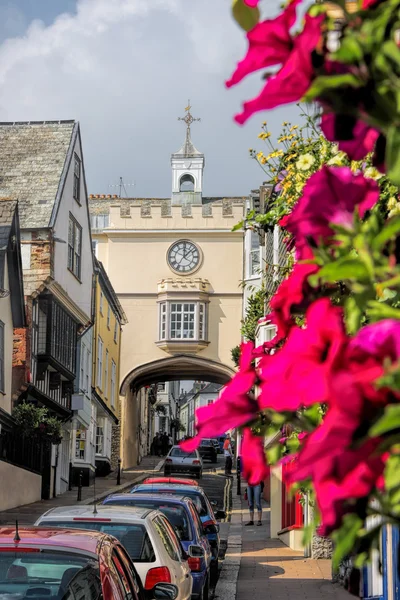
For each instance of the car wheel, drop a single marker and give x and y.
(214, 570)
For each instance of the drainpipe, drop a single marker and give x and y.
(307, 509)
(55, 473)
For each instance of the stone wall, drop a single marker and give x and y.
(321, 547)
(115, 445)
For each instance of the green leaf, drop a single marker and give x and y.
(345, 268)
(389, 231)
(392, 159)
(392, 469)
(350, 51)
(387, 423)
(238, 226)
(245, 16)
(353, 314)
(345, 538)
(379, 310)
(391, 51)
(327, 83)
(274, 454)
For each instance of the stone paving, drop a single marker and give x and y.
(272, 571)
(27, 514)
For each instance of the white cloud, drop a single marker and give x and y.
(125, 69)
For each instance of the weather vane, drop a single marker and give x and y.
(188, 118)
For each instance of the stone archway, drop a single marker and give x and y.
(179, 367)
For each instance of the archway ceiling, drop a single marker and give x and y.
(175, 368)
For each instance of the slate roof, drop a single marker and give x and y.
(32, 160)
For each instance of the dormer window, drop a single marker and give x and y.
(186, 183)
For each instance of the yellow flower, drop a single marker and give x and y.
(260, 155)
(264, 135)
(285, 124)
(392, 203)
(299, 187)
(337, 160)
(305, 162)
(372, 173)
(263, 160)
(395, 210)
(293, 127)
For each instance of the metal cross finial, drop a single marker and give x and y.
(188, 118)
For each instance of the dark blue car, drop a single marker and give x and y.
(203, 506)
(183, 516)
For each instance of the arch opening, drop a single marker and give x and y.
(141, 417)
(186, 183)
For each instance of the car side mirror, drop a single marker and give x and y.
(165, 591)
(196, 551)
(220, 514)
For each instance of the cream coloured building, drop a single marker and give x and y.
(176, 266)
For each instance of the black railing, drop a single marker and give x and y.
(26, 452)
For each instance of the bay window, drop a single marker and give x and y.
(182, 320)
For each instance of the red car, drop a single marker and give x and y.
(69, 565)
(180, 481)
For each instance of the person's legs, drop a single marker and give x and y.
(257, 502)
(250, 497)
(228, 465)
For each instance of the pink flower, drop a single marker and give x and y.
(298, 374)
(270, 43)
(354, 137)
(290, 294)
(251, 3)
(255, 468)
(294, 78)
(233, 408)
(329, 196)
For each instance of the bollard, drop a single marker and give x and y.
(79, 498)
(238, 471)
(119, 472)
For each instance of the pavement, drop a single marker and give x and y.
(256, 566)
(29, 513)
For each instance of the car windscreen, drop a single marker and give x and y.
(197, 498)
(179, 453)
(206, 443)
(133, 537)
(176, 514)
(48, 573)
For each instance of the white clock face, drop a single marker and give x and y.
(184, 256)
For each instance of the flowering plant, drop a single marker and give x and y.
(345, 356)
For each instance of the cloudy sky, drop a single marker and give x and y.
(125, 69)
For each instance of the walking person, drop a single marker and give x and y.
(165, 442)
(228, 456)
(158, 444)
(253, 493)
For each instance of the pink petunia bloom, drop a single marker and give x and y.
(298, 374)
(294, 78)
(234, 407)
(255, 468)
(251, 3)
(290, 294)
(329, 196)
(357, 138)
(270, 43)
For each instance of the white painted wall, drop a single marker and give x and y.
(79, 291)
(18, 486)
(6, 318)
(187, 166)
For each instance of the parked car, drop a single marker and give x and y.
(147, 536)
(179, 461)
(178, 480)
(203, 506)
(208, 451)
(183, 516)
(58, 563)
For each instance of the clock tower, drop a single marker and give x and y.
(187, 168)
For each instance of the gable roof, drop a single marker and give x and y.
(34, 160)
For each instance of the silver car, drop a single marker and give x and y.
(179, 461)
